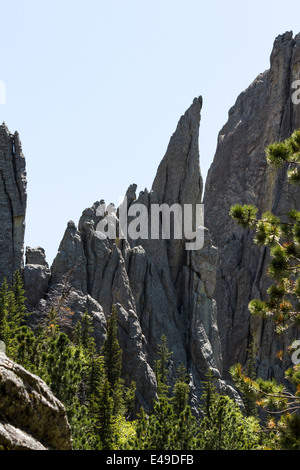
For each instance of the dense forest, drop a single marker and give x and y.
(100, 407)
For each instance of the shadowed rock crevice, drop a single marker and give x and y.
(12, 203)
(262, 114)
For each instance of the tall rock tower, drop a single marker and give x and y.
(263, 113)
(158, 286)
(12, 203)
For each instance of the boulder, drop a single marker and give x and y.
(31, 417)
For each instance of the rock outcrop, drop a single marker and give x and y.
(12, 203)
(263, 113)
(158, 286)
(36, 275)
(197, 298)
(31, 418)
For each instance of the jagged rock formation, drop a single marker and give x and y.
(31, 418)
(12, 203)
(262, 114)
(157, 285)
(197, 298)
(36, 275)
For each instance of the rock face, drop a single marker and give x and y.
(262, 114)
(12, 203)
(197, 298)
(158, 287)
(36, 275)
(31, 418)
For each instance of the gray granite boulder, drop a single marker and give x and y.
(31, 418)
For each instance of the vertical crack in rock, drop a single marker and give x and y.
(12, 203)
(240, 174)
(148, 280)
(197, 299)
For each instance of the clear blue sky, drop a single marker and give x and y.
(96, 89)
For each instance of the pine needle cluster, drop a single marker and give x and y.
(282, 304)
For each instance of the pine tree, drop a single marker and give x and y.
(112, 353)
(170, 425)
(26, 349)
(83, 338)
(86, 339)
(156, 431)
(13, 313)
(223, 426)
(4, 308)
(209, 394)
(96, 375)
(103, 415)
(51, 328)
(20, 298)
(180, 391)
(60, 366)
(282, 236)
(161, 367)
(282, 305)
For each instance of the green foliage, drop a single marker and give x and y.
(109, 401)
(99, 405)
(13, 313)
(224, 426)
(288, 151)
(112, 353)
(161, 367)
(83, 334)
(244, 215)
(282, 236)
(163, 429)
(103, 414)
(180, 398)
(283, 239)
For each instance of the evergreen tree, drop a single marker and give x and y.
(223, 426)
(250, 371)
(156, 431)
(61, 368)
(26, 349)
(103, 415)
(282, 237)
(4, 308)
(226, 428)
(112, 353)
(162, 429)
(83, 334)
(12, 313)
(95, 379)
(180, 391)
(161, 367)
(19, 298)
(170, 425)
